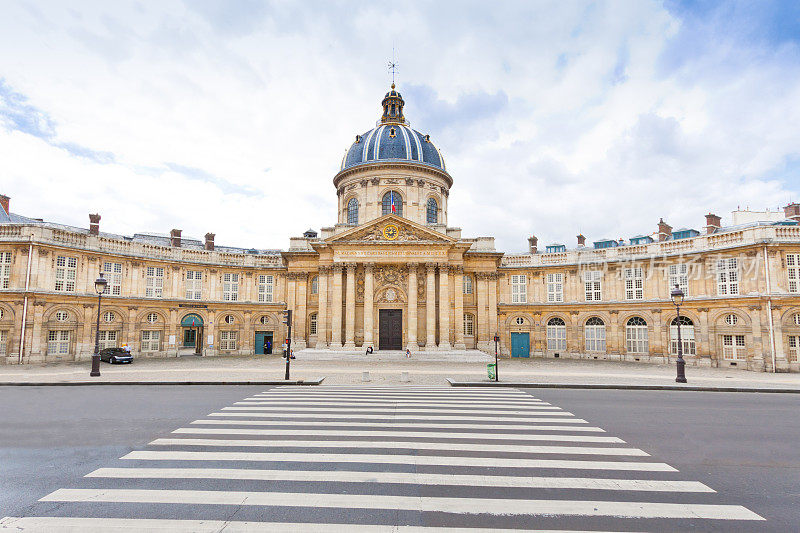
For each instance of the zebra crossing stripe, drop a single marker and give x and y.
(493, 506)
(413, 478)
(444, 446)
(246, 411)
(427, 403)
(399, 434)
(358, 409)
(397, 458)
(284, 423)
(62, 524)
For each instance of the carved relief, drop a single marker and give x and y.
(392, 181)
(359, 286)
(391, 295)
(420, 288)
(375, 181)
(409, 181)
(364, 183)
(420, 183)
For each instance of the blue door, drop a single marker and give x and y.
(263, 344)
(520, 345)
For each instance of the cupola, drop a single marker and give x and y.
(393, 107)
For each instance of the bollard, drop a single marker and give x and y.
(404, 377)
(365, 376)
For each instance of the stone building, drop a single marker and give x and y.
(392, 274)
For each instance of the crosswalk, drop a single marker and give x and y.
(393, 459)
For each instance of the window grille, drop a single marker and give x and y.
(595, 333)
(636, 335)
(556, 334)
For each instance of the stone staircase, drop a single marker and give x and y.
(459, 356)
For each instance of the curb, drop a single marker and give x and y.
(690, 388)
(316, 381)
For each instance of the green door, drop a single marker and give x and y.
(520, 345)
(263, 342)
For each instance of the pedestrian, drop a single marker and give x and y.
(126, 348)
(283, 348)
(292, 354)
(408, 352)
(369, 350)
(269, 347)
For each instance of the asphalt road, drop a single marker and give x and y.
(413, 469)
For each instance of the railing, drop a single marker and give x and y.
(68, 237)
(723, 239)
(787, 234)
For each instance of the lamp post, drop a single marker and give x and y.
(496, 340)
(677, 298)
(100, 285)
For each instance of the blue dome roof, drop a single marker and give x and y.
(393, 142)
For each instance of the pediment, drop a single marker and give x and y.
(390, 229)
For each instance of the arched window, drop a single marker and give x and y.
(352, 211)
(636, 335)
(433, 211)
(312, 324)
(392, 203)
(556, 334)
(595, 333)
(315, 285)
(467, 284)
(469, 325)
(687, 336)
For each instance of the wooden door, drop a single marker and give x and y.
(390, 329)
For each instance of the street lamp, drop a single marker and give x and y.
(100, 285)
(677, 298)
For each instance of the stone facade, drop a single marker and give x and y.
(392, 274)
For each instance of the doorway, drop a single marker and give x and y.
(520, 345)
(390, 329)
(263, 342)
(192, 325)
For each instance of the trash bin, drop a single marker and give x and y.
(491, 369)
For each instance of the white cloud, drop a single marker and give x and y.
(584, 127)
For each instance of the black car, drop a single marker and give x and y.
(116, 355)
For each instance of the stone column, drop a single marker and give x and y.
(458, 319)
(430, 307)
(336, 311)
(412, 307)
(299, 319)
(444, 307)
(290, 301)
(369, 305)
(322, 311)
(492, 293)
(37, 351)
(481, 292)
(350, 308)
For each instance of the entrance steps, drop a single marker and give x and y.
(456, 356)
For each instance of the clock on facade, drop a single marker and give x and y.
(390, 232)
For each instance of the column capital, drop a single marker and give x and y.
(443, 267)
(430, 267)
(296, 276)
(337, 267)
(351, 267)
(458, 269)
(412, 265)
(325, 269)
(369, 267)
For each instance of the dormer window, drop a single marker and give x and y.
(392, 133)
(427, 138)
(358, 139)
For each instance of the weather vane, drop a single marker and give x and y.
(393, 68)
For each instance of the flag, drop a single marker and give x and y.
(391, 198)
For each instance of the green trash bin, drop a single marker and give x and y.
(491, 369)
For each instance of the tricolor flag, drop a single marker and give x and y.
(391, 199)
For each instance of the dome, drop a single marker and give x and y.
(393, 140)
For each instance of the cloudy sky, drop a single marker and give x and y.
(232, 116)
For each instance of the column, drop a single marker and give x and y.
(290, 301)
(458, 319)
(430, 307)
(322, 311)
(299, 319)
(412, 307)
(491, 287)
(369, 305)
(336, 311)
(444, 308)
(481, 291)
(350, 308)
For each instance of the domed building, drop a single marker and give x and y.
(391, 274)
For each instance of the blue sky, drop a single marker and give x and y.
(231, 116)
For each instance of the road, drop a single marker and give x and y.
(396, 459)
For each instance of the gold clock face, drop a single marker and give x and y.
(390, 232)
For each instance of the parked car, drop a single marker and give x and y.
(116, 355)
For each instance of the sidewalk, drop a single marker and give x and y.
(343, 372)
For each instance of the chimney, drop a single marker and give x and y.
(664, 230)
(175, 238)
(532, 241)
(581, 240)
(94, 224)
(5, 201)
(210, 241)
(792, 210)
(713, 223)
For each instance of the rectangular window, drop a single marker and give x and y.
(469, 325)
(634, 283)
(794, 348)
(555, 287)
(227, 340)
(679, 275)
(519, 289)
(194, 284)
(793, 269)
(5, 270)
(57, 342)
(467, 285)
(154, 287)
(556, 337)
(230, 287)
(66, 273)
(592, 282)
(687, 340)
(108, 339)
(733, 347)
(265, 284)
(728, 276)
(3, 341)
(113, 274)
(150, 341)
